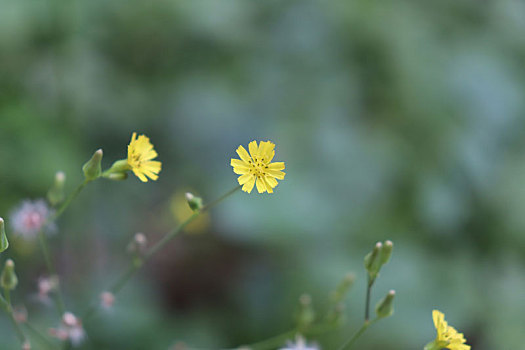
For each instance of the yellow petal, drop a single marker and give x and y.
(238, 163)
(266, 185)
(276, 166)
(140, 175)
(276, 173)
(254, 150)
(260, 186)
(241, 151)
(271, 181)
(244, 178)
(248, 186)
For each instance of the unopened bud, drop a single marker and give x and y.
(56, 195)
(343, 288)
(137, 247)
(26, 345)
(195, 203)
(386, 252)
(372, 263)
(8, 280)
(306, 313)
(93, 168)
(4, 243)
(385, 307)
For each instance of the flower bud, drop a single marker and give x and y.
(384, 307)
(306, 314)
(92, 169)
(137, 248)
(195, 203)
(386, 252)
(372, 262)
(56, 195)
(4, 243)
(118, 171)
(8, 279)
(343, 288)
(26, 345)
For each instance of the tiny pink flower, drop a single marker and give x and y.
(46, 285)
(300, 344)
(31, 217)
(70, 329)
(107, 299)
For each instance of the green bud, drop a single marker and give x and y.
(118, 171)
(343, 288)
(56, 195)
(195, 203)
(384, 307)
(8, 279)
(436, 345)
(306, 315)
(372, 262)
(92, 169)
(4, 243)
(386, 252)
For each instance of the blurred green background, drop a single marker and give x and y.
(398, 120)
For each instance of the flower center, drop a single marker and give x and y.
(258, 167)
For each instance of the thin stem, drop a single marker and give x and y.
(130, 272)
(272, 342)
(348, 344)
(220, 199)
(367, 302)
(68, 200)
(9, 310)
(59, 300)
(42, 339)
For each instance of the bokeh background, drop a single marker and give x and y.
(398, 120)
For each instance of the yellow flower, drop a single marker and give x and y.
(255, 168)
(140, 158)
(447, 335)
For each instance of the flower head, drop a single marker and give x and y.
(70, 329)
(300, 344)
(31, 217)
(447, 336)
(255, 167)
(140, 158)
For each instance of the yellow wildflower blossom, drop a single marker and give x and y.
(447, 336)
(140, 158)
(256, 168)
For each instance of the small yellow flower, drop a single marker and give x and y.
(447, 335)
(255, 167)
(140, 158)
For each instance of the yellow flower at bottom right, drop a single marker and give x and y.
(447, 335)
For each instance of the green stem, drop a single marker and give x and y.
(367, 302)
(6, 305)
(348, 344)
(273, 342)
(130, 272)
(68, 200)
(59, 300)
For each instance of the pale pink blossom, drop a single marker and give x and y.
(300, 344)
(70, 329)
(31, 217)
